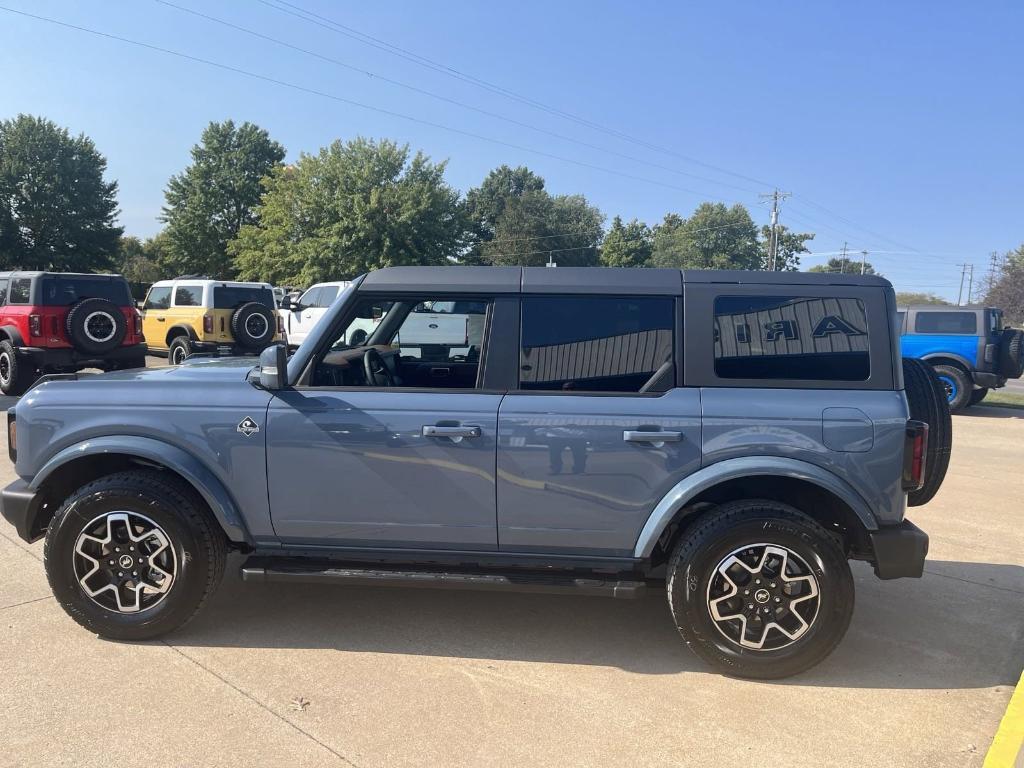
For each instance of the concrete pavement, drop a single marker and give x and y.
(414, 677)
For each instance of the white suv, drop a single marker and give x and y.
(299, 317)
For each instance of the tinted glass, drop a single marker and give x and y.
(790, 337)
(231, 296)
(946, 322)
(188, 296)
(158, 298)
(65, 291)
(3, 290)
(327, 296)
(309, 297)
(594, 343)
(21, 291)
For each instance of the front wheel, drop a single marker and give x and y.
(759, 590)
(133, 555)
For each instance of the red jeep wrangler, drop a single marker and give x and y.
(61, 323)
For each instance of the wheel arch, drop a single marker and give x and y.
(12, 334)
(949, 358)
(78, 464)
(180, 329)
(820, 494)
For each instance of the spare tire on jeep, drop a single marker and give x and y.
(927, 401)
(253, 325)
(1011, 353)
(96, 326)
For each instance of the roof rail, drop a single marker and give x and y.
(193, 277)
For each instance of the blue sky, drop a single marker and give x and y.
(897, 126)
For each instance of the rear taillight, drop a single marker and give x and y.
(35, 325)
(915, 448)
(280, 324)
(138, 323)
(207, 323)
(12, 435)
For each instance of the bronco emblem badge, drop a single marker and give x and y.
(248, 427)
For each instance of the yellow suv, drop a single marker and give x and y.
(189, 315)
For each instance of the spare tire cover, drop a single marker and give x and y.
(1011, 353)
(927, 401)
(96, 326)
(253, 325)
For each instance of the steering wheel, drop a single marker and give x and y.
(377, 372)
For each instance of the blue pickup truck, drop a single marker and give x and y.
(968, 347)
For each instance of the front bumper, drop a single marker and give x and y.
(46, 358)
(899, 551)
(20, 506)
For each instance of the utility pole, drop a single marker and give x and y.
(842, 260)
(993, 268)
(773, 242)
(970, 283)
(963, 274)
(863, 261)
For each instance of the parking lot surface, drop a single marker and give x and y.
(274, 675)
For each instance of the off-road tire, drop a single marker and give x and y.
(731, 526)
(15, 375)
(978, 395)
(1011, 353)
(109, 333)
(180, 349)
(957, 386)
(245, 323)
(199, 546)
(927, 400)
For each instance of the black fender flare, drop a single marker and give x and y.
(967, 365)
(181, 329)
(12, 334)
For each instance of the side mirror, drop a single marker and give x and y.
(274, 367)
(291, 305)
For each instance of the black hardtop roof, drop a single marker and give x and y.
(43, 273)
(496, 280)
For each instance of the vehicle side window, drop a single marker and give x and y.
(946, 322)
(188, 296)
(596, 343)
(790, 337)
(309, 298)
(158, 298)
(327, 296)
(21, 291)
(3, 290)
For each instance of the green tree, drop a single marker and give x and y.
(713, 237)
(139, 261)
(844, 265)
(535, 227)
(214, 197)
(56, 210)
(627, 245)
(906, 298)
(485, 205)
(1007, 291)
(352, 207)
(790, 246)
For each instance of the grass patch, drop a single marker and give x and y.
(1003, 399)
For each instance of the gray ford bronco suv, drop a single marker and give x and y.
(731, 438)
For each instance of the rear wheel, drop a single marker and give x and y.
(133, 555)
(759, 590)
(15, 375)
(957, 385)
(179, 350)
(978, 395)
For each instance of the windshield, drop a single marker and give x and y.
(231, 296)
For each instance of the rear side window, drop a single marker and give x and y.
(158, 298)
(327, 296)
(65, 291)
(232, 296)
(946, 322)
(3, 290)
(791, 337)
(188, 296)
(21, 291)
(596, 343)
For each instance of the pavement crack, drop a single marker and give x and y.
(260, 704)
(27, 602)
(975, 583)
(26, 550)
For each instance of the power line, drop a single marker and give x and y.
(446, 99)
(351, 102)
(326, 23)
(773, 243)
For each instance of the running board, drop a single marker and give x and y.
(267, 570)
